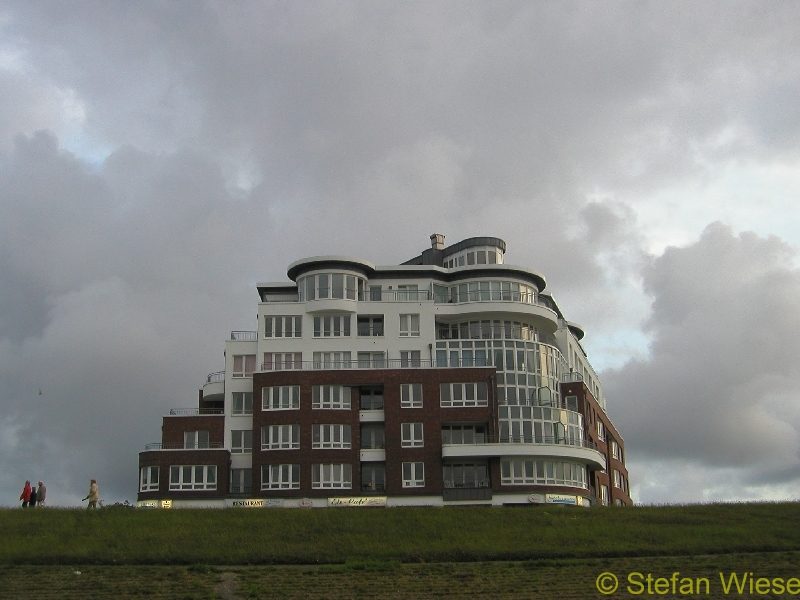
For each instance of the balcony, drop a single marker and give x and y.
(543, 447)
(373, 455)
(181, 446)
(195, 412)
(217, 377)
(244, 336)
(371, 416)
(394, 363)
(466, 491)
(395, 296)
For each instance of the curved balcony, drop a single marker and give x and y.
(509, 308)
(214, 388)
(181, 446)
(583, 451)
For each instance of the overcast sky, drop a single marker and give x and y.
(157, 159)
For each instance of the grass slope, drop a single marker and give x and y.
(265, 536)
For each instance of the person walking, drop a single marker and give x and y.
(41, 494)
(94, 494)
(25, 496)
(32, 501)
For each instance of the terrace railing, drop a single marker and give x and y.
(216, 377)
(394, 363)
(181, 446)
(244, 336)
(193, 412)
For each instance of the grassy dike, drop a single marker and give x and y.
(408, 535)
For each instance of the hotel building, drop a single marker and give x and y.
(451, 379)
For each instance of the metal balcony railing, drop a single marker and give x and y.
(240, 489)
(368, 488)
(394, 363)
(181, 446)
(570, 377)
(217, 377)
(531, 439)
(281, 298)
(395, 296)
(244, 336)
(479, 483)
(193, 412)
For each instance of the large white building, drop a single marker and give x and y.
(452, 378)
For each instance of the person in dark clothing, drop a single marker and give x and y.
(25, 496)
(32, 501)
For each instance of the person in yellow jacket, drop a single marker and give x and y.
(94, 494)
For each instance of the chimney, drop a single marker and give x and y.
(437, 241)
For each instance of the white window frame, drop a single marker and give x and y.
(603, 494)
(242, 399)
(331, 436)
(372, 321)
(410, 358)
(618, 480)
(331, 397)
(458, 395)
(146, 483)
(412, 435)
(409, 325)
(192, 477)
(280, 477)
(196, 440)
(280, 397)
(243, 365)
(413, 474)
(280, 437)
(410, 395)
(601, 431)
(529, 471)
(241, 441)
(331, 476)
(282, 361)
(275, 326)
(331, 360)
(332, 326)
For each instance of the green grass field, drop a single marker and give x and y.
(536, 552)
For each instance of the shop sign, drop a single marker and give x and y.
(358, 501)
(166, 504)
(561, 499)
(306, 503)
(147, 504)
(536, 498)
(251, 503)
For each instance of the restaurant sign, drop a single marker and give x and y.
(358, 501)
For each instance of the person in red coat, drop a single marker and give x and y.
(26, 494)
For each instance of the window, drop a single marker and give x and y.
(193, 477)
(332, 326)
(481, 257)
(519, 471)
(618, 479)
(280, 477)
(407, 292)
(335, 397)
(280, 437)
(572, 403)
(242, 403)
(464, 394)
(331, 436)
(411, 395)
(372, 436)
(241, 441)
(412, 435)
(604, 495)
(467, 475)
(148, 479)
(373, 477)
(286, 397)
(331, 360)
(244, 365)
(332, 476)
(616, 450)
(275, 326)
(195, 440)
(409, 325)
(375, 293)
(241, 481)
(463, 434)
(374, 360)
(413, 474)
(371, 398)
(280, 361)
(410, 358)
(370, 326)
(601, 431)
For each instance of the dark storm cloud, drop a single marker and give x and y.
(211, 144)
